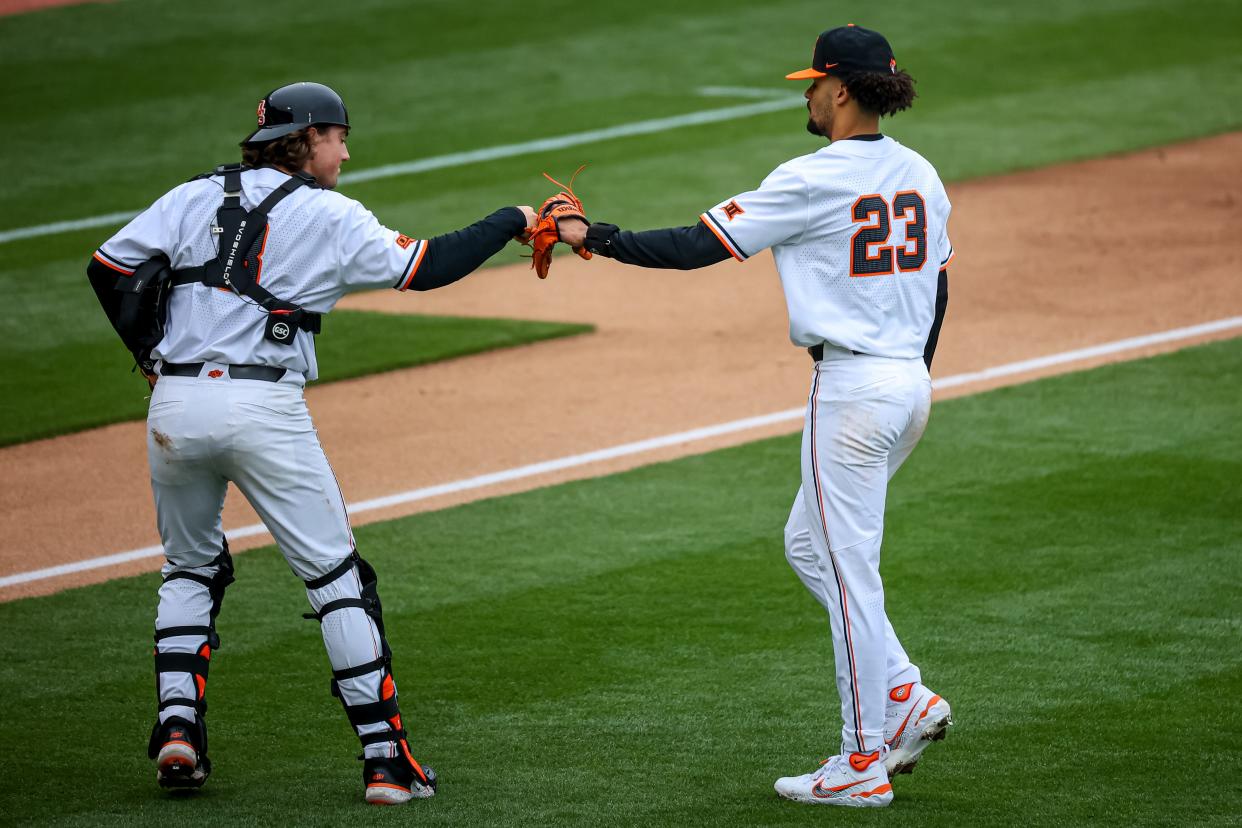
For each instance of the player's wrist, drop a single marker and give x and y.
(598, 238)
(572, 230)
(515, 217)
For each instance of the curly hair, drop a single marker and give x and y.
(290, 152)
(880, 92)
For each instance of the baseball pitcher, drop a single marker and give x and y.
(859, 234)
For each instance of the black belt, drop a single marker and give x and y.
(266, 373)
(817, 352)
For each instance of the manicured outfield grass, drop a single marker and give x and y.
(1062, 558)
(164, 90)
(120, 101)
(36, 402)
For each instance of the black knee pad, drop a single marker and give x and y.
(370, 592)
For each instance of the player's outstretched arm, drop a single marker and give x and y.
(740, 227)
(679, 248)
(454, 255)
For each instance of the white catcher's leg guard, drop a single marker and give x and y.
(185, 636)
(356, 650)
(346, 604)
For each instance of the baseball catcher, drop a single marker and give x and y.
(220, 308)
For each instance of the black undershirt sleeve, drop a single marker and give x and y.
(680, 248)
(453, 255)
(942, 302)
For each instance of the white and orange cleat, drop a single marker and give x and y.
(855, 780)
(914, 718)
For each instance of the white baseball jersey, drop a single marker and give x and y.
(320, 246)
(859, 231)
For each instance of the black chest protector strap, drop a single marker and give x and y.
(242, 236)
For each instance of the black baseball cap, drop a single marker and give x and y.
(848, 49)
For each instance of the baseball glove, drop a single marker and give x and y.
(544, 235)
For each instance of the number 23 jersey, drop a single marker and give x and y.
(859, 231)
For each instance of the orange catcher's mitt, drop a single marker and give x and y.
(544, 235)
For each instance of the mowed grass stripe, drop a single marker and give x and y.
(1061, 558)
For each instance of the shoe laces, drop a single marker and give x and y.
(829, 765)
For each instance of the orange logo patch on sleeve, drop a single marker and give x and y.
(732, 209)
(404, 241)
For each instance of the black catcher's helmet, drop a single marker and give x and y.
(295, 106)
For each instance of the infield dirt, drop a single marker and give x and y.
(1048, 261)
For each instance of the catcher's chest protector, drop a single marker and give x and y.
(241, 236)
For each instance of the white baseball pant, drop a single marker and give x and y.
(203, 432)
(864, 416)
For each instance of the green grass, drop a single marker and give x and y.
(1062, 558)
(120, 101)
(34, 403)
(168, 92)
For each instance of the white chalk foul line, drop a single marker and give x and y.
(459, 159)
(1120, 346)
(66, 226)
(761, 92)
(642, 446)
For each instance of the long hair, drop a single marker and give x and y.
(290, 152)
(882, 93)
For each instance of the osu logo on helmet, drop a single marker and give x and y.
(262, 111)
